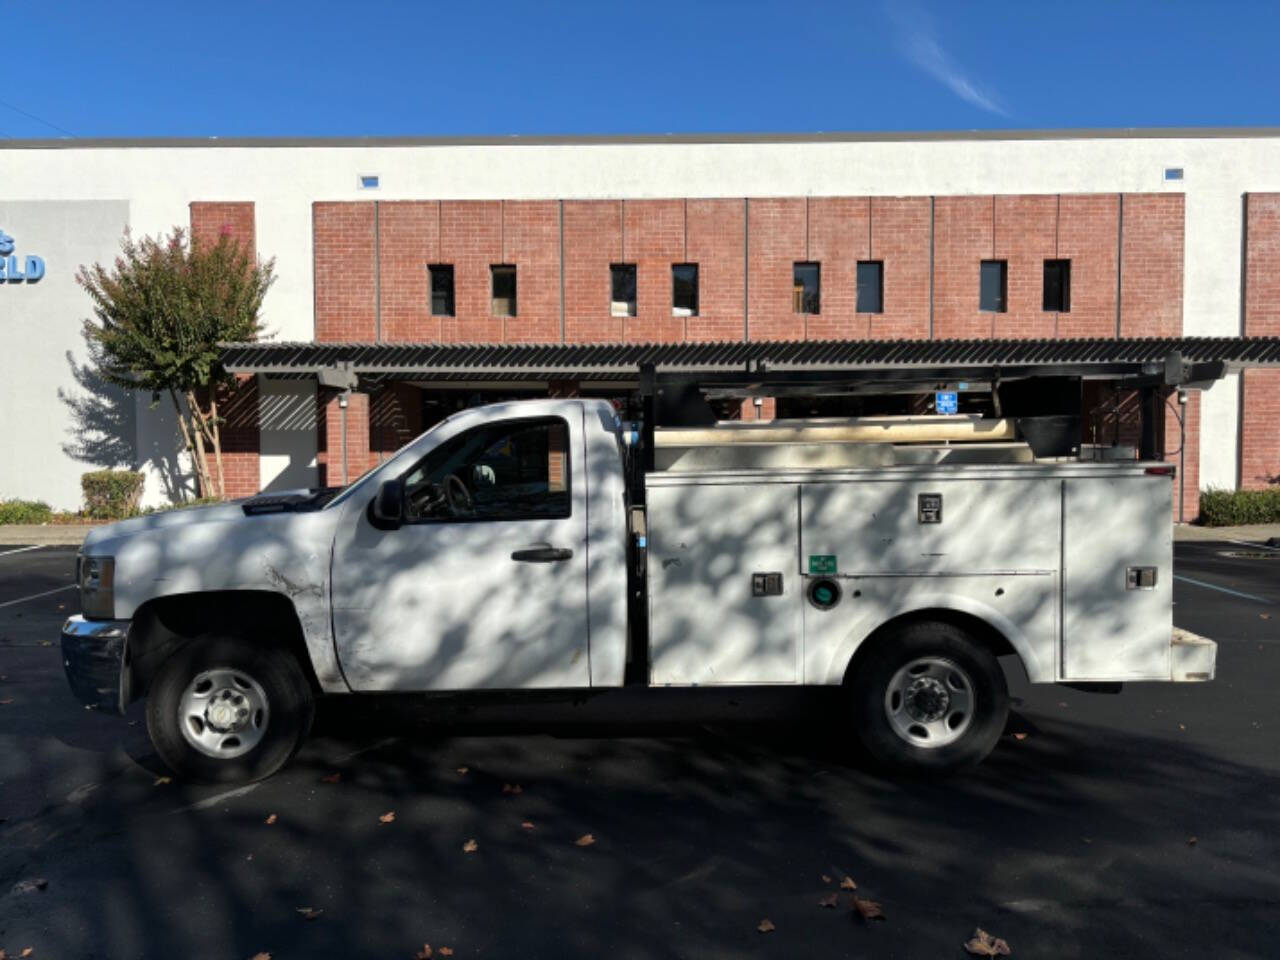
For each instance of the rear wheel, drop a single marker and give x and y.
(928, 697)
(223, 709)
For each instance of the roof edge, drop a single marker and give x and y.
(727, 138)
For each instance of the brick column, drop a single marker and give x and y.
(1260, 390)
(359, 456)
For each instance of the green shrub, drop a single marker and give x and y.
(111, 494)
(1229, 508)
(25, 511)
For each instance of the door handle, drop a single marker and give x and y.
(542, 554)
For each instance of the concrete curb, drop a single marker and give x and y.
(1254, 532)
(44, 534)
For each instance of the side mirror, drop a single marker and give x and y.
(388, 506)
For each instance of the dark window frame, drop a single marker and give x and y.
(443, 270)
(520, 422)
(1001, 303)
(686, 311)
(615, 270)
(504, 269)
(805, 300)
(878, 286)
(1061, 284)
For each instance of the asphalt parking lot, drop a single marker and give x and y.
(1140, 825)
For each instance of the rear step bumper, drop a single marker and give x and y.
(1194, 657)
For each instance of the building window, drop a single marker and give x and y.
(1173, 173)
(870, 286)
(806, 296)
(368, 181)
(441, 289)
(504, 290)
(994, 286)
(684, 290)
(1057, 286)
(622, 298)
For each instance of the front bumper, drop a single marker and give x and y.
(95, 655)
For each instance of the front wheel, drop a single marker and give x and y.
(225, 710)
(928, 698)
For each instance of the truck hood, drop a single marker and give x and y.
(102, 539)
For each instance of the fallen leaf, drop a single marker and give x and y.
(1192, 841)
(462, 771)
(868, 909)
(526, 825)
(830, 900)
(424, 953)
(1062, 703)
(1020, 735)
(446, 951)
(271, 819)
(766, 926)
(514, 789)
(388, 817)
(825, 878)
(309, 913)
(983, 944)
(5, 703)
(332, 778)
(470, 847)
(848, 884)
(1182, 726)
(249, 857)
(31, 886)
(261, 956)
(585, 840)
(1086, 839)
(1264, 616)
(26, 952)
(161, 781)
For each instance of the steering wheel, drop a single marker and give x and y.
(459, 497)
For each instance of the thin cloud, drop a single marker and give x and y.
(918, 44)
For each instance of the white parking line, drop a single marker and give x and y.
(37, 596)
(6, 553)
(1250, 543)
(1213, 586)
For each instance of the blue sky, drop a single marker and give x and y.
(291, 68)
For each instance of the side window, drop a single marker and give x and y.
(513, 470)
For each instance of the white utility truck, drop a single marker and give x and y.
(522, 546)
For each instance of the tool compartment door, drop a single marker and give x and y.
(706, 625)
(1113, 629)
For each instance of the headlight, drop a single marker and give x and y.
(97, 587)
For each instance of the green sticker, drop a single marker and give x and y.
(822, 563)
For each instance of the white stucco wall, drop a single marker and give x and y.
(158, 182)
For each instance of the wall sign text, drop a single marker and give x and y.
(15, 268)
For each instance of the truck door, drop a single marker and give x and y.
(484, 586)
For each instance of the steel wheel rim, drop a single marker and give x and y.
(223, 713)
(930, 702)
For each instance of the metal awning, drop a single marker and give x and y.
(1172, 360)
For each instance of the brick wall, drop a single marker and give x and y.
(1151, 265)
(211, 221)
(1260, 389)
(1088, 236)
(1025, 235)
(900, 236)
(745, 251)
(240, 434)
(963, 236)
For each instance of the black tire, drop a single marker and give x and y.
(869, 689)
(291, 708)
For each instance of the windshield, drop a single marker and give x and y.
(366, 479)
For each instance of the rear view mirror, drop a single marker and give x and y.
(388, 506)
